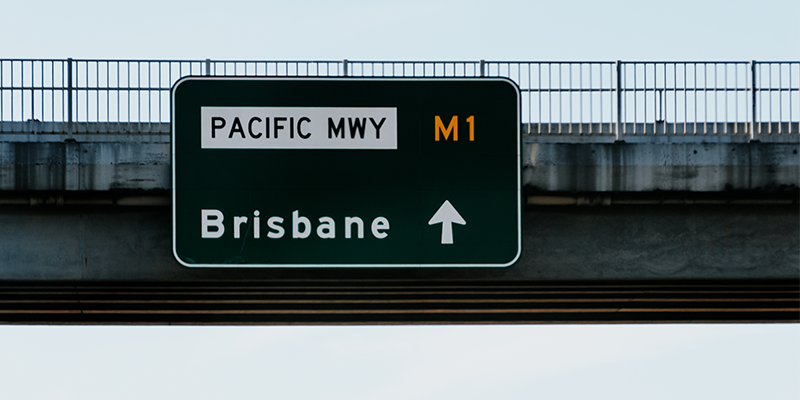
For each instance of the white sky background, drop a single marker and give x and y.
(675, 30)
(437, 362)
(464, 362)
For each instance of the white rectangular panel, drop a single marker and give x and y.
(298, 128)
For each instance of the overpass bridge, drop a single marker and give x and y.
(653, 191)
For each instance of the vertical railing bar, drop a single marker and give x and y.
(644, 99)
(128, 91)
(644, 103)
(705, 98)
(626, 91)
(160, 94)
(665, 101)
(52, 96)
(2, 95)
(77, 96)
(86, 88)
(139, 95)
(530, 116)
(570, 97)
(43, 88)
(726, 98)
(644, 96)
(118, 85)
(635, 100)
(12, 93)
(663, 106)
(69, 99)
(753, 133)
(761, 98)
(76, 84)
(694, 90)
(550, 98)
(580, 98)
(685, 97)
(40, 89)
(591, 99)
(21, 91)
(50, 89)
(97, 92)
(33, 96)
(736, 100)
(560, 97)
(716, 108)
(88, 94)
(780, 97)
(675, 97)
(519, 80)
(760, 91)
(658, 97)
(619, 100)
(149, 95)
(600, 126)
(769, 97)
(558, 88)
(539, 70)
(108, 93)
(33, 91)
(96, 88)
(63, 95)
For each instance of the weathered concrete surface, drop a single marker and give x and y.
(142, 162)
(64, 241)
(629, 242)
(646, 167)
(93, 166)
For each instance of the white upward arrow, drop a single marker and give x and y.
(447, 216)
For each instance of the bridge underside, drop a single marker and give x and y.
(705, 231)
(373, 302)
(702, 259)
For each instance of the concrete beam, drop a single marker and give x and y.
(646, 167)
(613, 242)
(93, 164)
(142, 162)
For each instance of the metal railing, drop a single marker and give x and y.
(584, 100)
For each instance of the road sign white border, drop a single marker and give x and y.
(365, 266)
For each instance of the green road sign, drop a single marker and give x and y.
(341, 172)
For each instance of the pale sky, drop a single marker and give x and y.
(460, 362)
(631, 30)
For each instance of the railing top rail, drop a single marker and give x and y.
(406, 61)
(690, 62)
